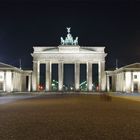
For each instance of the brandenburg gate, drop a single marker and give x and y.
(69, 52)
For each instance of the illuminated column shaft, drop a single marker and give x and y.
(34, 86)
(132, 88)
(12, 81)
(77, 76)
(60, 76)
(36, 75)
(20, 79)
(101, 76)
(29, 83)
(4, 84)
(124, 85)
(9, 81)
(89, 76)
(48, 76)
(108, 83)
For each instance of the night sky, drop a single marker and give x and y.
(25, 23)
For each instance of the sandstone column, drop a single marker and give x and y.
(108, 83)
(36, 75)
(132, 86)
(48, 76)
(60, 76)
(89, 76)
(29, 83)
(77, 76)
(12, 81)
(101, 76)
(4, 82)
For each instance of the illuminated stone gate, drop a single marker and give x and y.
(69, 52)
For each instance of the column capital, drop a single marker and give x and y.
(101, 61)
(90, 61)
(77, 61)
(47, 61)
(36, 61)
(60, 61)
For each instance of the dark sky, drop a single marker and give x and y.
(25, 23)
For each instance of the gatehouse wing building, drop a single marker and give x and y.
(14, 79)
(124, 79)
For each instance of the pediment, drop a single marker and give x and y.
(3, 65)
(134, 65)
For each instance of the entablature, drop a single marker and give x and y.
(69, 57)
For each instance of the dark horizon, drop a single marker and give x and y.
(114, 24)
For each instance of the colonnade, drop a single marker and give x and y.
(36, 75)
